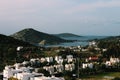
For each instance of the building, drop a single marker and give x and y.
(69, 58)
(47, 78)
(25, 73)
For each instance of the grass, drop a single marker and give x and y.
(103, 76)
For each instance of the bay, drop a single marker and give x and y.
(81, 41)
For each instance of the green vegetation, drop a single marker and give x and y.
(8, 47)
(46, 73)
(9, 55)
(35, 37)
(105, 43)
(112, 44)
(66, 35)
(12, 78)
(102, 76)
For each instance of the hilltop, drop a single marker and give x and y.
(66, 35)
(33, 36)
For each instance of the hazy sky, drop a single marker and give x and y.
(84, 17)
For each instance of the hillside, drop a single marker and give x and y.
(107, 42)
(7, 40)
(113, 38)
(32, 36)
(66, 35)
(110, 39)
(8, 47)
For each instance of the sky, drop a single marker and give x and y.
(82, 17)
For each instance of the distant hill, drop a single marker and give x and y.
(66, 35)
(7, 40)
(33, 36)
(109, 41)
(112, 38)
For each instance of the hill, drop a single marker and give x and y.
(7, 40)
(8, 47)
(66, 35)
(110, 39)
(33, 36)
(112, 44)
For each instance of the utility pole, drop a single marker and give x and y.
(78, 67)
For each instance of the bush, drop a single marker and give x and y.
(12, 78)
(116, 78)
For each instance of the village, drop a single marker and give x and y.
(71, 63)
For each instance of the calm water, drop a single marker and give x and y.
(83, 41)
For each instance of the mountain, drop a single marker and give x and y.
(109, 42)
(66, 35)
(8, 51)
(33, 36)
(7, 40)
(110, 39)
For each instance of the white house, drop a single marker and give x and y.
(17, 65)
(25, 63)
(24, 76)
(69, 67)
(59, 68)
(42, 60)
(59, 59)
(47, 78)
(49, 59)
(104, 50)
(89, 65)
(108, 63)
(19, 48)
(9, 72)
(92, 43)
(49, 69)
(69, 58)
(84, 65)
(114, 60)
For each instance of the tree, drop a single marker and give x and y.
(46, 73)
(12, 78)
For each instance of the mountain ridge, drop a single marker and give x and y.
(7, 40)
(66, 35)
(33, 36)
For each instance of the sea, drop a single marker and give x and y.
(81, 41)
